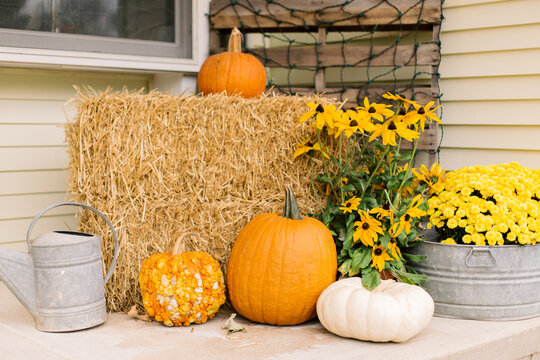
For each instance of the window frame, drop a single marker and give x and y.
(72, 59)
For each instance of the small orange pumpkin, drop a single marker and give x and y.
(181, 288)
(279, 265)
(232, 71)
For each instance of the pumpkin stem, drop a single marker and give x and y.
(235, 41)
(180, 242)
(290, 210)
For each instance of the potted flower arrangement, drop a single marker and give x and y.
(374, 198)
(482, 257)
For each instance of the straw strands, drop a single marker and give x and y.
(159, 165)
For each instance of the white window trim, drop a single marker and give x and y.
(77, 60)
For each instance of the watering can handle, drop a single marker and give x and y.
(115, 257)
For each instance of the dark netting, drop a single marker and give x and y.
(347, 49)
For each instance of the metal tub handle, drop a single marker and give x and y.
(480, 256)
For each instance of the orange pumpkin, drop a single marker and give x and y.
(279, 265)
(232, 71)
(181, 288)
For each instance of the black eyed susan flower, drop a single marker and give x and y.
(382, 211)
(397, 97)
(375, 111)
(350, 205)
(433, 178)
(393, 247)
(414, 211)
(379, 256)
(352, 122)
(367, 229)
(421, 114)
(306, 147)
(388, 131)
(324, 115)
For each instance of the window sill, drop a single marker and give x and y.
(56, 59)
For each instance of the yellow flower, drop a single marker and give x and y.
(414, 211)
(397, 97)
(352, 122)
(448, 241)
(389, 129)
(306, 146)
(382, 211)
(350, 205)
(403, 224)
(392, 245)
(375, 111)
(421, 114)
(324, 115)
(367, 229)
(379, 256)
(433, 177)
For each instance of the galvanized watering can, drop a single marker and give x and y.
(60, 282)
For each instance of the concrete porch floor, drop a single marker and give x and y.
(121, 337)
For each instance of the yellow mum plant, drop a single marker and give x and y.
(375, 199)
(488, 205)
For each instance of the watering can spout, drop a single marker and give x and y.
(17, 272)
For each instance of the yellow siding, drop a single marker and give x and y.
(33, 158)
(490, 76)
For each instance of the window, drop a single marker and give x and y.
(142, 28)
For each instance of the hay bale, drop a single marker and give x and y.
(159, 165)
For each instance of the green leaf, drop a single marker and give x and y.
(350, 233)
(322, 178)
(350, 220)
(344, 268)
(406, 156)
(410, 277)
(415, 258)
(393, 184)
(385, 239)
(353, 273)
(327, 218)
(361, 258)
(348, 243)
(348, 188)
(370, 278)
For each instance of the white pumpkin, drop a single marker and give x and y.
(392, 311)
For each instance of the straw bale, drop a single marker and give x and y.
(158, 165)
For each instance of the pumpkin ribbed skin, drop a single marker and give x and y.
(391, 312)
(232, 71)
(236, 73)
(278, 268)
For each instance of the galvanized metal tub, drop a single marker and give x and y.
(481, 282)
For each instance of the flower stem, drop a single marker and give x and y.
(398, 194)
(374, 171)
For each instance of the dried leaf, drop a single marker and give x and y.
(232, 326)
(133, 313)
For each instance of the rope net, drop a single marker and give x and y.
(347, 49)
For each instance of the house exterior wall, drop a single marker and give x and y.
(490, 82)
(33, 157)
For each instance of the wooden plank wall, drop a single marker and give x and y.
(33, 158)
(323, 56)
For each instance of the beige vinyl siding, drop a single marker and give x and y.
(33, 158)
(490, 81)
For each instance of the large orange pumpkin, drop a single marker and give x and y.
(232, 71)
(279, 265)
